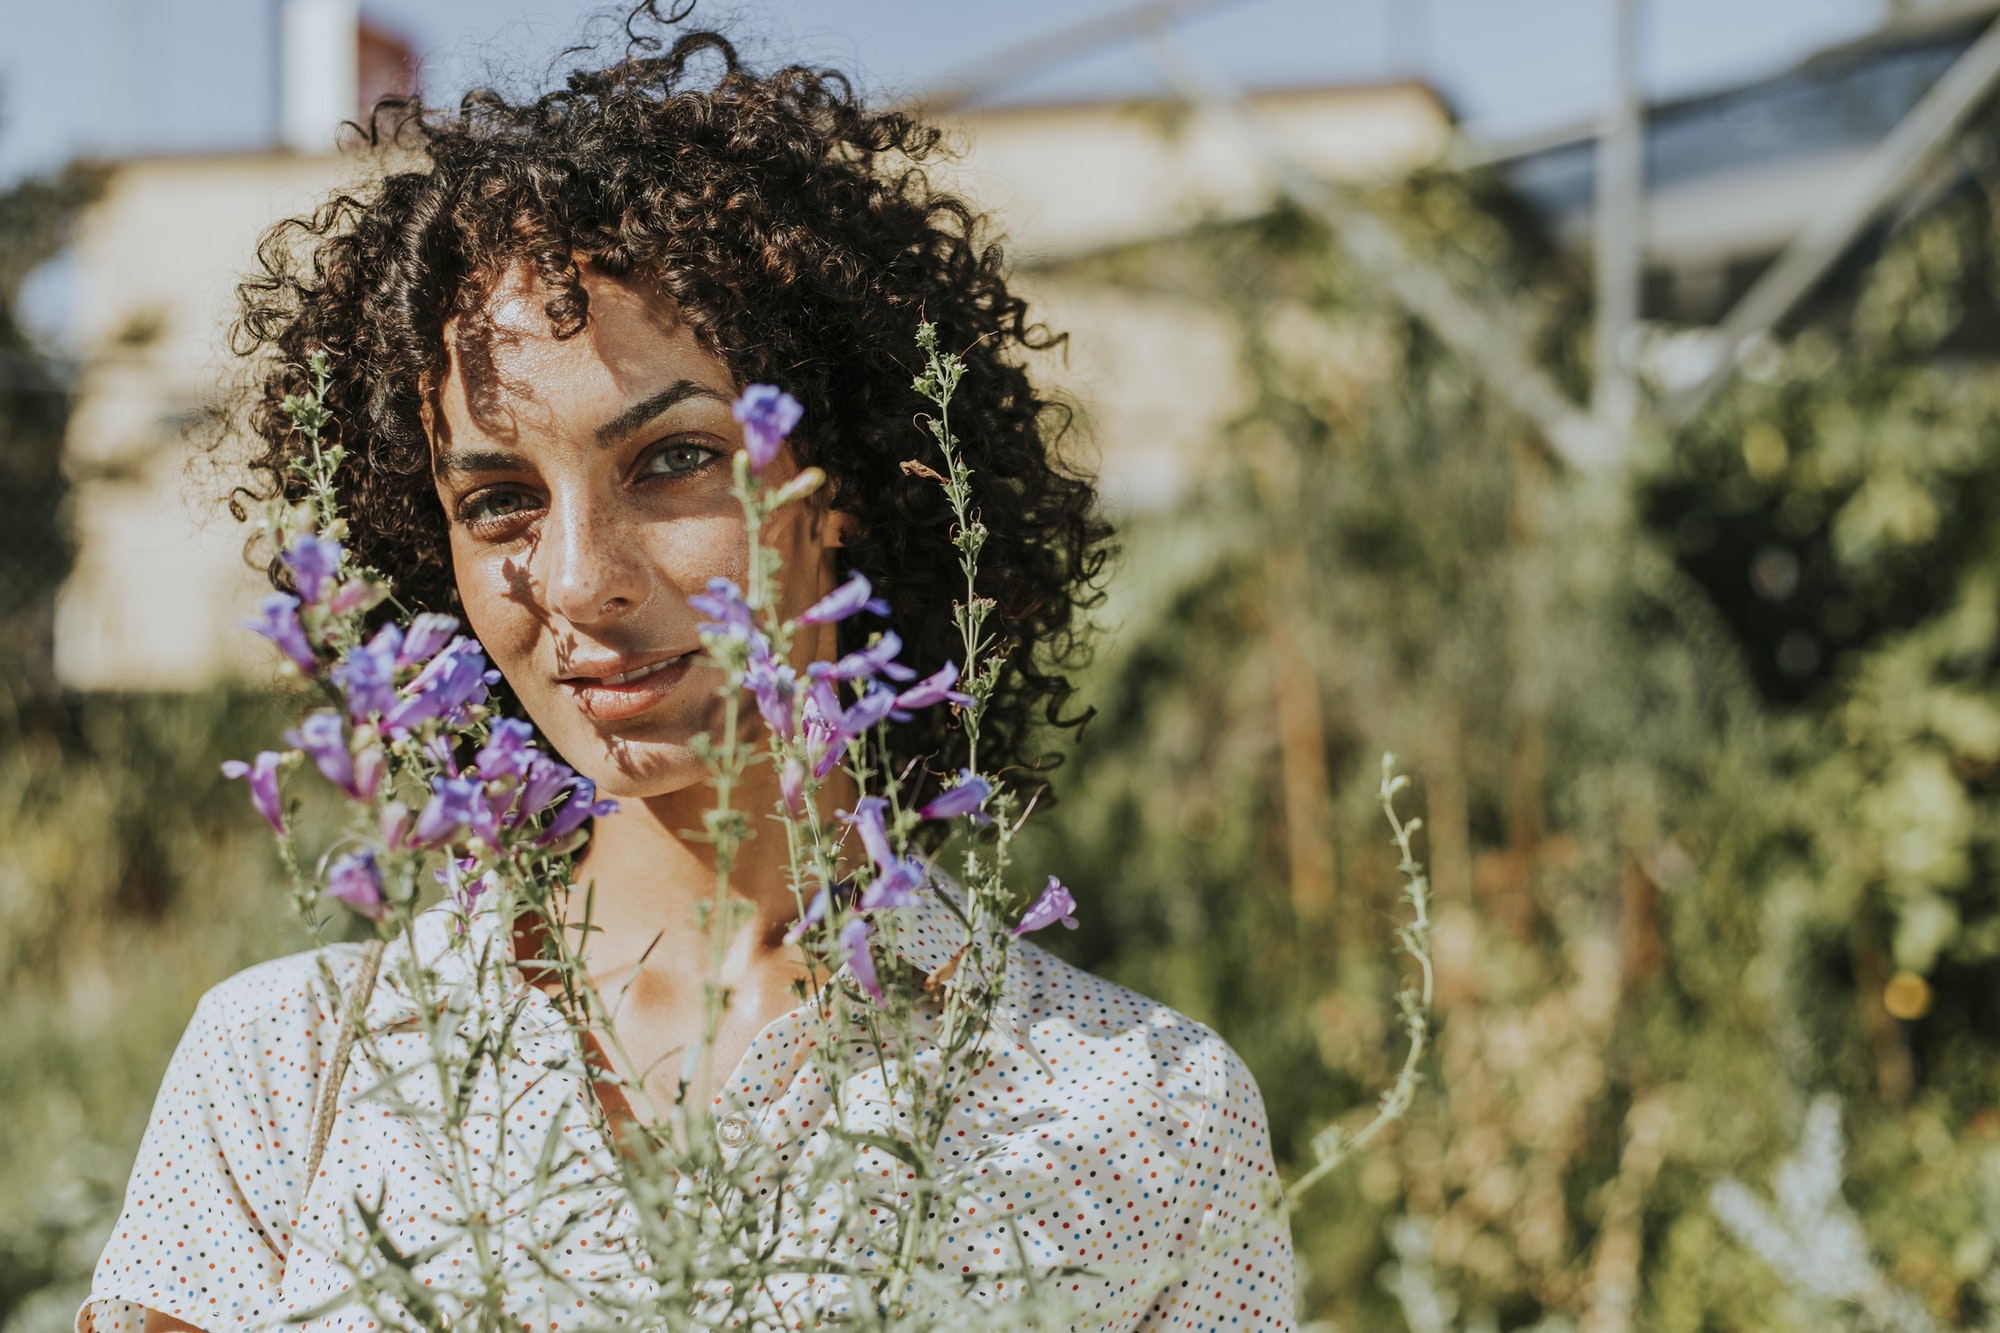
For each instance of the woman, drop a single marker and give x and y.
(537, 335)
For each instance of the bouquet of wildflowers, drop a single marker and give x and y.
(460, 1040)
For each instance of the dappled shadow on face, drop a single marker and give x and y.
(622, 756)
(517, 572)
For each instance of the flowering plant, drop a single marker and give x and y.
(453, 1034)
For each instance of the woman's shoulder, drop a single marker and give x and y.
(1098, 1025)
(297, 990)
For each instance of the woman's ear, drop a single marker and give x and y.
(835, 527)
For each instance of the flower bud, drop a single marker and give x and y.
(792, 785)
(799, 487)
(356, 595)
(356, 881)
(369, 766)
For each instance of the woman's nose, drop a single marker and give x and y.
(594, 571)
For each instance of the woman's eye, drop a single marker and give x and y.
(490, 507)
(674, 460)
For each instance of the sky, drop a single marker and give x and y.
(121, 77)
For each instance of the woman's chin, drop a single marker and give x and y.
(651, 755)
(637, 770)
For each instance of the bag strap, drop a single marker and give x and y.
(353, 1005)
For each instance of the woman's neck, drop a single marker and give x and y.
(648, 879)
(647, 883)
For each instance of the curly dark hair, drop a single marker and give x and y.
(799, 235)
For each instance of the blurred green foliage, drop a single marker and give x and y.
(132, 878)
(1710, 754)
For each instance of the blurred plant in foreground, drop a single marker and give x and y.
(1812, 1238)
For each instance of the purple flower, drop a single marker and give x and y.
(456, 805)
(582, 805)
(369, 674)
(441, 751)
(820, 907)
(356, 881)
(965, 799)
(768, 415)
(774, 688)
(324, 738)
(369, 766)
(279, 622)
(792, 788)
(1054, 905)
(728, 614)
(829, 728)
(854, 943)
(263, 775)
(509, 749)
(879, 658)
(867, 821)
(471, 890)
(821, 724)
(815, 912)
(544, 780)
(429, 632)
(850, 598)
(455, 680)
(461, 885)
(935, 688)
(900, 877)
(355, 595)
(868, 710)
(315, 561)
(897, 886)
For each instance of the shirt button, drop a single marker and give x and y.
(733, 1131)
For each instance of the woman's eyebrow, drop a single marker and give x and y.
(647, 408)
(463, 461)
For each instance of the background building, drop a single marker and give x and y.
(160, 581)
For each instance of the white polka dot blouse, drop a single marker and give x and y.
(1114, 1138)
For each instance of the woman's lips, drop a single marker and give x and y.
(626, 694)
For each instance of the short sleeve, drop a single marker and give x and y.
(206, 1222)
(1244, 1280)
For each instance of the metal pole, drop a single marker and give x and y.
(1493, 351)
(1620, 240)
(1885, 173)
(1038, 53)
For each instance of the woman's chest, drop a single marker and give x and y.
(672, 1041)
(511, 1178)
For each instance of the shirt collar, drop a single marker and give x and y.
(931, 936)
(464, 948)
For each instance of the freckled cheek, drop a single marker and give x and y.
(503, 607)
(689, 551)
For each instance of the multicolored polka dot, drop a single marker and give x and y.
(1106, 1133)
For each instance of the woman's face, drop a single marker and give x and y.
(586, 482)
